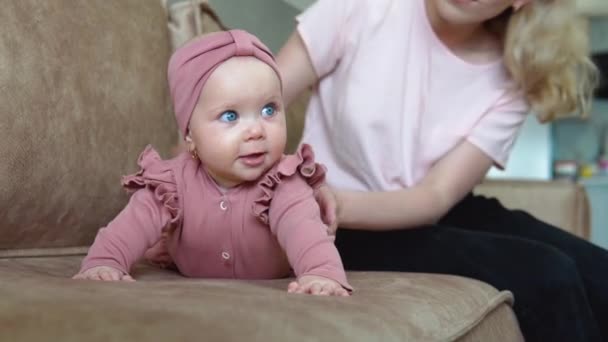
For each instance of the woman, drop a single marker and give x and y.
(413, 102)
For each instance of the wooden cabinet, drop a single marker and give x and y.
(597, 191)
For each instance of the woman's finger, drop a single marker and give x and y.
(332, 228)
(327, 203)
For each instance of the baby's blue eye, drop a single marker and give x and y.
(268, 110)
(228, 116)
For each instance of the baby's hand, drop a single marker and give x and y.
(105, 273)
(317, 285)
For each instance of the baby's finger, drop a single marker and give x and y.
(105, 275)
(127, 277)
(115, 275)
(341, 292)
(94, 276)
(303, 288)
(327, 290)
(292, 287)
(315, 289)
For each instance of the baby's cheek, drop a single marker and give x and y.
(277, 138)
(276, 152)
(218, 143)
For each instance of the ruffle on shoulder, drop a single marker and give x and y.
(303, 163)
(157, 175)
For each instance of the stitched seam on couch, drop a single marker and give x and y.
(42, 252)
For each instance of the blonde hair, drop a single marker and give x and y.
(546, 51)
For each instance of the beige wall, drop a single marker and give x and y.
(271, 20)
(599, 34)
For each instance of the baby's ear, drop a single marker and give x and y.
(519, 4)
(190, 143)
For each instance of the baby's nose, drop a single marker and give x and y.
(255, 130)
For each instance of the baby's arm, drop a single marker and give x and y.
(119, 245)
(296, 221)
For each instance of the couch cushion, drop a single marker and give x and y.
(41, 304)
(83, 90)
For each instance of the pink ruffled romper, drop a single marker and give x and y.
(257, 230)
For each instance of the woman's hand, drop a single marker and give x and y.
(328, 203)
(104, 273)
(318, 286)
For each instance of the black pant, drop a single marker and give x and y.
(560, 282)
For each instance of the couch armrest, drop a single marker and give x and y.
(561, 203)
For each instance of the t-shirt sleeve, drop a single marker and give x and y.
(497, 130)
(323, 27)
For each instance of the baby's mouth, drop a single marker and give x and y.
(253, 159)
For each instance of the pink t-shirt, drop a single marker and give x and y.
(392, 99)
(256, 230)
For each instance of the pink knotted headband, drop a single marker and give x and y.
(192, 64)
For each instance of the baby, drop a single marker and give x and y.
(234, 206)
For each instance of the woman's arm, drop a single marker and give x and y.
(448, 181)
(296, 68)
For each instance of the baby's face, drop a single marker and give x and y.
(238, 125)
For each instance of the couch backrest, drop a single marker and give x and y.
(83, 90)
(561, 203)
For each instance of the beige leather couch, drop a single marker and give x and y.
(83, 91)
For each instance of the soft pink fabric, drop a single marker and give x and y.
(392, 99)
(253, 231)
(192, 64)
